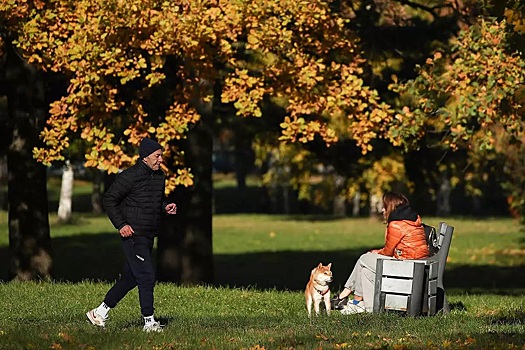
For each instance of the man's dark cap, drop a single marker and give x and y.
(147, 147)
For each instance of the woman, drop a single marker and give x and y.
(404, 239)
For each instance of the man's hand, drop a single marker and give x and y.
(126, 231)
(171, 208)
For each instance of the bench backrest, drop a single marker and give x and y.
(445, 232)
(444, 239)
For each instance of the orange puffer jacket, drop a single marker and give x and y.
(405, 239)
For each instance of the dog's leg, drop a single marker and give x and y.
(309, 305)
(317, 302)
(327, 304)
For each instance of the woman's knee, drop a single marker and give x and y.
(369, 260)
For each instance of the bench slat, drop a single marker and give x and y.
(398, 268)
(396, 285)
(432, 287)
(396, 302)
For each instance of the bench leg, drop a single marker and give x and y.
(442, 303)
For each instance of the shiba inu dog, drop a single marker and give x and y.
(318, 289)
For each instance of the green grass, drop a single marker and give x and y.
(48, 315)
(262, 263)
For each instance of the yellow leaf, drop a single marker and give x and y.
(252, 39)
(394, 78)
(321, 336)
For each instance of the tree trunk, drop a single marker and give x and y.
(443, 197)
(96, 194)
(243, 157)
(356, 204)
(185, 251)
(29, 237)
(3, 173)
(286, 200)
(339, 206)
(66, 194)
(339, 203)
(376, 205)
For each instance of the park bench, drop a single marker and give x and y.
(414, 286)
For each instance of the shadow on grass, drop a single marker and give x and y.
(503, 328)
(99, 257)
(515, 317)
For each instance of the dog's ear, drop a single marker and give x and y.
(329, 266)
(320, 265)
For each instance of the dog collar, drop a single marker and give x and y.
(321, 292)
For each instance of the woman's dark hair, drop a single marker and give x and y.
(393, 200)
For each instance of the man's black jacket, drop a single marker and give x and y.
(136, 198)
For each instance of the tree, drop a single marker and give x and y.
(144, 68)
(25, 93)
(29, 236)
(471, 100)
(395, 35)
(65, 203)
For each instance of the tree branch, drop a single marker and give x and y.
(428, 9)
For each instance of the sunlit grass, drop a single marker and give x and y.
(52, 316)
(268, 250)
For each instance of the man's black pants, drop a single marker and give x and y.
(138, 271)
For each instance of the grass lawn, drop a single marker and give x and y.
(262, 264)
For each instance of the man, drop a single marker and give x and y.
(134, 204)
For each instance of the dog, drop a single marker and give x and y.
(318, 289)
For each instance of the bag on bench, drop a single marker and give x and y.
(432, 239)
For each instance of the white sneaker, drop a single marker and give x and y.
(353, 307)
(153, 327)
(96, 319)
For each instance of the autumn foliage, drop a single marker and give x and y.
(118, 55)
(468, 95)
(472, 99)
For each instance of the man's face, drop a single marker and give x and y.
(154, 160)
